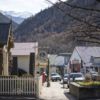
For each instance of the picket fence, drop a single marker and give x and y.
(13, 85)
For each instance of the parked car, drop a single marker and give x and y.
(94, 75)
(55, 77)
(75, 77)
(93, 72)
(65, 79)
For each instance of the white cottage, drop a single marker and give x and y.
(82, 58)
(23, 55)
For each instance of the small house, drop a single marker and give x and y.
(23, 58)
(83, 59)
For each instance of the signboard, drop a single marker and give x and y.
(42, 54)
(75, 61)
(97, 60)
(42, 60)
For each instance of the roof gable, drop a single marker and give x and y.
(4, 32)
(21, 49)
(4, 19)
(87, 52)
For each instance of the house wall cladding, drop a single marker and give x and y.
(1, 61)
(25, 63)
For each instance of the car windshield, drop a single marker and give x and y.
(75, 75)
(66, 76)
(93, 72)
(54, 74)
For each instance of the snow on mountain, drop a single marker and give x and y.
(17, 14)
(18, 17)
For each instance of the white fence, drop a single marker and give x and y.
(11, 85)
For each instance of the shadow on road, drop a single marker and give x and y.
(69, 96)
(16, 98)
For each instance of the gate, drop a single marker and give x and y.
(13, 85)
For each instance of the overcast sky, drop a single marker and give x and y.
(33, 6)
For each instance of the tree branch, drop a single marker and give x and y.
(79, 7)
(74, 17)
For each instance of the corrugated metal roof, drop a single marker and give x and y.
(56, 60)
(24, 48)
(4, 32)
(87, 52)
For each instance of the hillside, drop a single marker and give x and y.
(17, 17)
(53, 28)
(5, 19)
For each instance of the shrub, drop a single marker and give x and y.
(91, 83)
(88, 77)
(27, 75)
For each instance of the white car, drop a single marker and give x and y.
(75, 77)
(94, 75)
(55, 77)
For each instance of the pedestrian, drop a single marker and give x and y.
(43, 77)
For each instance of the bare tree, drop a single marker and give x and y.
(87, 30)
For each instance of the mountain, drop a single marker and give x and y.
(5, 19)
(17, 17)
(18, 20)
(55, 29)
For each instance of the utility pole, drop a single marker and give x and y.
(48, 74)
(43, 55)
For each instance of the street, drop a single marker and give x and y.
(55, 92)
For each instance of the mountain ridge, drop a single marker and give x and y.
(52, 27)
(17, 17)
(5, 19)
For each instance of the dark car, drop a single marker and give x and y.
(55, 77)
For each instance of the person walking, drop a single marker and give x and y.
(43, 77)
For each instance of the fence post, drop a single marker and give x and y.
(38, 86)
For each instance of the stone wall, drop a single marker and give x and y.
(83, 92)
